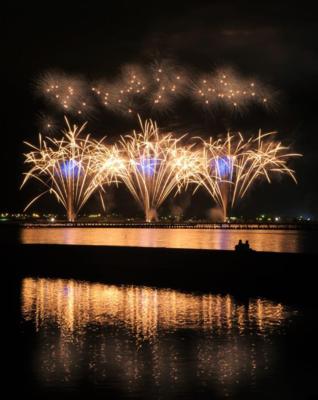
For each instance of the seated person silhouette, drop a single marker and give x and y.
(243, 247)
(239, 246)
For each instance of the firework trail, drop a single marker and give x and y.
(67, 168)
(152, 166)
(229, 167)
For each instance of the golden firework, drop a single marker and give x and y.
(67, 168)
(230, 166)
(153, 165)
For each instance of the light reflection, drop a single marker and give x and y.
(260, 240)
(133, 336)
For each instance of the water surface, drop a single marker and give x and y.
(261, 240)
(143, 342)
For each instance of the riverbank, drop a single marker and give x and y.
(281, 276)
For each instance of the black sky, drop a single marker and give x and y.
(273, 41)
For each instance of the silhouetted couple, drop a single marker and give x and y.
(243, 247)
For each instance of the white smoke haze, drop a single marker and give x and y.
(215, 214)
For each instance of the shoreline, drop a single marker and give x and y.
(194, 225)
(305, 226)
(280, 276)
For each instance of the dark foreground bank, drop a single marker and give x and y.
(59, 344)
(281, 276)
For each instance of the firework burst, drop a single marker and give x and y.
(67, 168)
(227, 88)
(66, 93)
(155, 87)
(169, 83)
(152, 166)
(47, 124)
(229, 167)
(125, 94)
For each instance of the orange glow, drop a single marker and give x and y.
(141, 333)
(143, 311)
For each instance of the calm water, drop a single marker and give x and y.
(262, 240)
(141, 342)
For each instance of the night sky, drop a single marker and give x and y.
(274, 42)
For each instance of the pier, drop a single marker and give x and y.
(188, 225)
